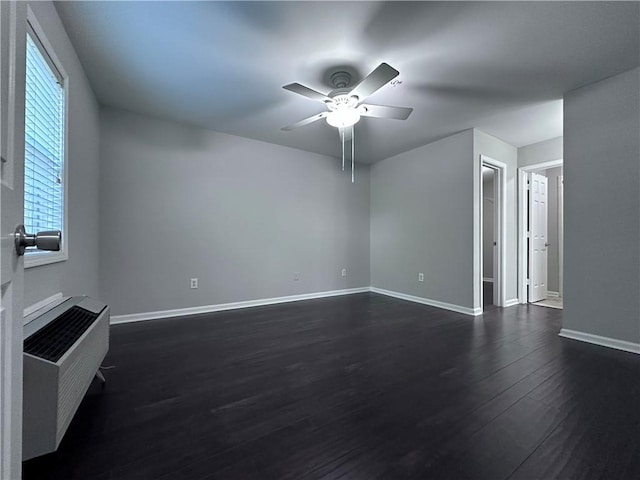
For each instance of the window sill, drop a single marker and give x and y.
(37, 259)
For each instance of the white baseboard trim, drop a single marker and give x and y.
(553, 294)
(179, 312)
(41, 304)
(511, 302)
(486, 279)
(602, 341)
(427, 301)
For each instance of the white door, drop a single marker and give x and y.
(12, 86)
(538, 206)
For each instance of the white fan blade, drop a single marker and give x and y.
(375, 80)
(383, 111)
(306, 121)
(307, 92)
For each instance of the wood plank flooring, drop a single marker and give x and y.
(487, 296)
(355, 387)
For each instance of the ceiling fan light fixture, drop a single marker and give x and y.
(343, 104)
(343, 118)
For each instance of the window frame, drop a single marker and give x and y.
(35, 258)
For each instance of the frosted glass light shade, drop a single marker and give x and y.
(343, 118)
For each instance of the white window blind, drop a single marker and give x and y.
(44, 141)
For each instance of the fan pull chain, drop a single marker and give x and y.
(342, 135)
(353, 141)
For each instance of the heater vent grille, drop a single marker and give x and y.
(53, 341)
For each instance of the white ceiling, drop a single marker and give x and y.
(500, 67)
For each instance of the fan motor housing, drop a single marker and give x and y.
(341, 79)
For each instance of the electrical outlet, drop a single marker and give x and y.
(421, 277)
(344, 272)
(296, 276)
(194, 283)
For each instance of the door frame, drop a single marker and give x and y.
(561, 233)
(523, 214)
(500, 218)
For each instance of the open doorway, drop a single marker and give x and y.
(541, 198)
(488, 238)
(493, 231)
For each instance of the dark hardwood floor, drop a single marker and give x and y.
(355, 387)
(487, 296)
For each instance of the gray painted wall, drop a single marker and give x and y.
(79, 274)
(495, 148)
(540, 152)
(602, 208)
(488, 207)
(553, 251)
(422, 221)
(241, 215)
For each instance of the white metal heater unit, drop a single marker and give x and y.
(63, 349)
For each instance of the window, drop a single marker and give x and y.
(44, 165)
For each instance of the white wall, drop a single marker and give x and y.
(553, 250)
(495, 148)
(241, 215)
(79, 274)
(602, 208)
(540, 152)
(422, 221)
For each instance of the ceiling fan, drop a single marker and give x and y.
(345, 105)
